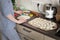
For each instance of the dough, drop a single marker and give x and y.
(24, 16)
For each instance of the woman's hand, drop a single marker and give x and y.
(18, 12)
(21, 20)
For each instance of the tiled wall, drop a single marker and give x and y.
(28, 4)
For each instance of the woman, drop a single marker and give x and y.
(7, 21)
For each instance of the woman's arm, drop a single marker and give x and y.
(21, 20)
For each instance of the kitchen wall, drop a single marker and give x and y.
(32, 4)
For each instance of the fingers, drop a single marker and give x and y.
(19, 12)
(21, 20)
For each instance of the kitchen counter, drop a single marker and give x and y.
(50, 33)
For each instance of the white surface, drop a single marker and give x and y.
(26, 17)
(49, 14)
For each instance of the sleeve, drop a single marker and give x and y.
(6, 7)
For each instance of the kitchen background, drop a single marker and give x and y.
(32, 4)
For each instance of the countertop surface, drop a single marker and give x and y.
(50, 33)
